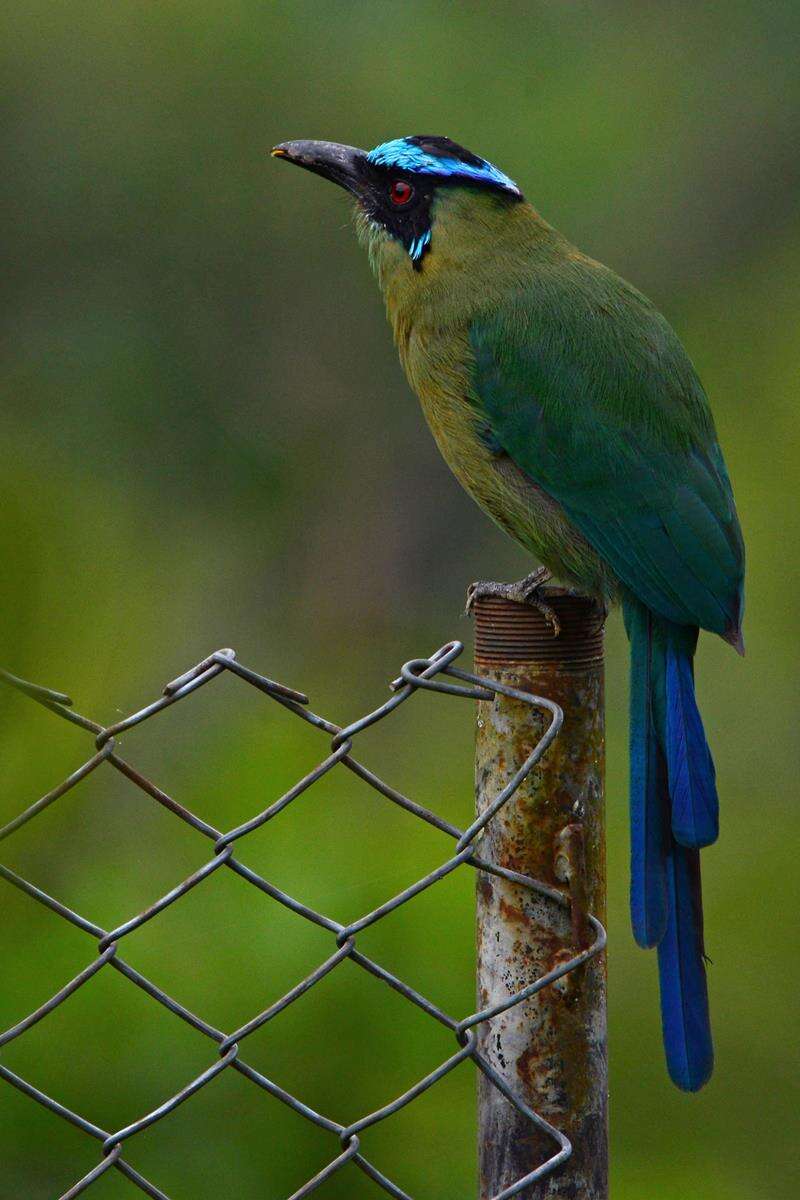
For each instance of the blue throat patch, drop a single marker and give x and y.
(443, 158)
(419, 246)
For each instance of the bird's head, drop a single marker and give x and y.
(401, 187)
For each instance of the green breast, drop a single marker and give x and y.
(431, 312)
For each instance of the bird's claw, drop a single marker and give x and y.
(524, 591)
(602, 616)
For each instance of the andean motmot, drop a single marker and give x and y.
(567, 407)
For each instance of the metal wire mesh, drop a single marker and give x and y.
(435, 673)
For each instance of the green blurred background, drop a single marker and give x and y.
(207, 441)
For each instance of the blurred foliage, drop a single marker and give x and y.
(206, 440)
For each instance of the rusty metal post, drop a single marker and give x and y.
(550, 1049)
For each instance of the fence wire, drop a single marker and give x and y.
(435, 673)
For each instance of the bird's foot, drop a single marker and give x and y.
(602, 609)
(524, 591)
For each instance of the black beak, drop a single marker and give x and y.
(344, 165)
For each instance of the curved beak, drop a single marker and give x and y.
(344, 165)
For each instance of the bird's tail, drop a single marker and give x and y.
(674, 811)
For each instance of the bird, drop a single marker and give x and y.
(567, 407)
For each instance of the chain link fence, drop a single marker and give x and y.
(435, 673)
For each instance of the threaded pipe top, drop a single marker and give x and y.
(508, 632)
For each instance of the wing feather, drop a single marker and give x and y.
(586, 387)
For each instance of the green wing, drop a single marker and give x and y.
(588, 390)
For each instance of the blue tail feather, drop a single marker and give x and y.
(649, 832)
(692, 779)
(685, 1018)
(673, 811)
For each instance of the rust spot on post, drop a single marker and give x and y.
(551, 1049)
(570, 868)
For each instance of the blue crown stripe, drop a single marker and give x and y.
(407, 156)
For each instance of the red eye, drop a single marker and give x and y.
(400, 192)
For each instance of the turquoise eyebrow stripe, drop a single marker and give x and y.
(406, 156)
